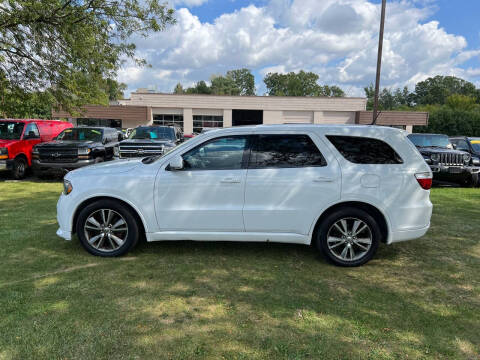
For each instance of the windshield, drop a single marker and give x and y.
(11, 130)
(153, 132)
(475, 142)
(81, 134)
(423, 140)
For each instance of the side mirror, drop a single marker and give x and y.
(176, 163)
(104, 141)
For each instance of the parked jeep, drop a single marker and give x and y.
(447, 164)
(468, 144)
(74, 148)
(150, 140)
(19, 136)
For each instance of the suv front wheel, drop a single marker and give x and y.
(348, 237)
(107, 228)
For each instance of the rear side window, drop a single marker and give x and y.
(285, 151)
(362, 150)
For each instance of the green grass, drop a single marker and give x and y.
(185, 300)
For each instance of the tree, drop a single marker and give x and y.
(389, 99)
(244, 80)
(68, 47)
(436, 90)
(224, 85)
(178, 89)
(461, 102)
(114, 89)
(298, 84)
(200, 87)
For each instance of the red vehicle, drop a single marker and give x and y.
(19, 136)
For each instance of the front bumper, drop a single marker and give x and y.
(454, 170)
(37, 164)
(63, 218)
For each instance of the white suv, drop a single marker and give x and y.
(344, 189)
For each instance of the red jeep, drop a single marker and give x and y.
(19, 136)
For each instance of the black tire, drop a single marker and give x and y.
(351, 214)
(132, 234)
(19, 168)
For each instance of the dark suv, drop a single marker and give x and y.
(74, 148)
(468, 144)
(150, 140)
(447, 164)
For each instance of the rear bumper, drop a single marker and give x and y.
(37, 164)
(411, 234)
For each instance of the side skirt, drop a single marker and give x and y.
(229, 236)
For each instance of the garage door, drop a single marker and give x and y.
(299, 117)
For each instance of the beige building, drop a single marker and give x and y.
(195, 112)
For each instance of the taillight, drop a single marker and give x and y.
(424, 180)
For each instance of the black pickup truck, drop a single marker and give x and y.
(74, 148)
(150, 140)
(447, 164)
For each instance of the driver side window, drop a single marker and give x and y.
(224, 153)
(31, 131)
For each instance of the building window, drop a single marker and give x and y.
(168, 120)
(113, 123)
(206, 121)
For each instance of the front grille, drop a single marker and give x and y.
(139, 151)
(53, 155)
(451, 159)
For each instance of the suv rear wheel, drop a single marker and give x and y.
(348, 237)
(107, 228)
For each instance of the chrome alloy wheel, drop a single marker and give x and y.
(349, 239)
(105, 230)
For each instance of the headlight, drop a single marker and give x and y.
(35, 150)
(435, 157)
(67, 187)
(84, 151)
(116, 151)
(466, 158)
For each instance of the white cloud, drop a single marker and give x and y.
(335, 38)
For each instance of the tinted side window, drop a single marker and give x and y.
(362, 150)
(32, 128)
(462, 145)
(285, 151)
(224, 153)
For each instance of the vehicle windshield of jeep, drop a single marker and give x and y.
(475, 142)
(428, 140)
(80, 134)
(153, 133)
(11, 130)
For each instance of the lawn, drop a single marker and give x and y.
(419, 299)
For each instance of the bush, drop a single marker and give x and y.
(445, 120)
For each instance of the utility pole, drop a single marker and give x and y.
(379, 63)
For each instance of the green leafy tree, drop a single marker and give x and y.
(114, 89)
(298, 84)
(388, 99)
(224, 85)
(436, 90)
(461, 102)
(200, 87)
(178, 89)
(244, 80)
(68, 47)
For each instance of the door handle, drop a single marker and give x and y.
(230, 180)
(323, 179)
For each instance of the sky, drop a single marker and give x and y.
(336, 39)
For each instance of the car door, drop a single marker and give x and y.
(208, 194)
(31, 137)
(291, 178)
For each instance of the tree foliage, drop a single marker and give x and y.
(389, 99)
(244, 81)
(67, 48)
(436, 90)
(445, 120)
(298, 84)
